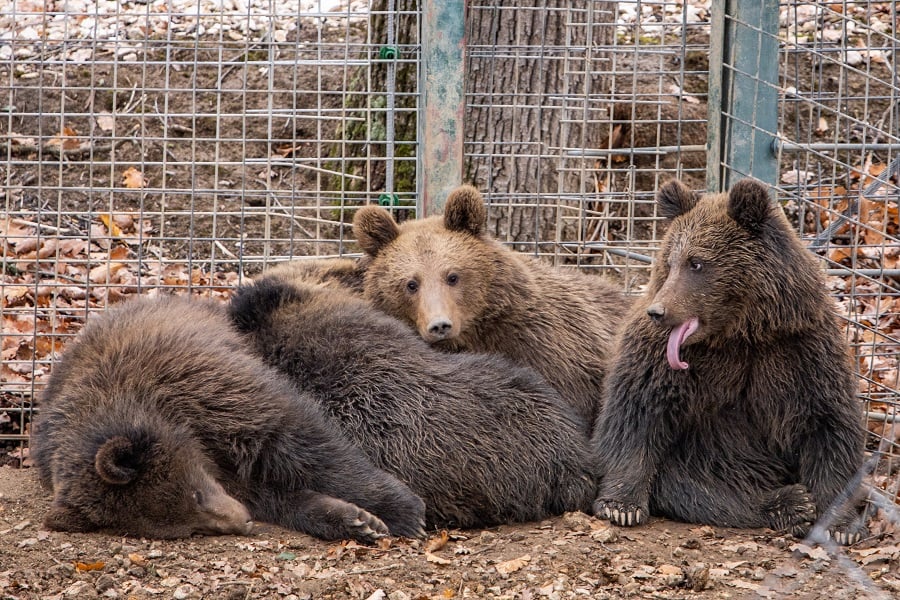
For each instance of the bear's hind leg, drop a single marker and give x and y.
(729, 484)
(790, 508)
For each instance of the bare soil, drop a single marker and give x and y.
(574, 555)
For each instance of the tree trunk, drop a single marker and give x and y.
(533, 71)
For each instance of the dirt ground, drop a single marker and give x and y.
(573, 556)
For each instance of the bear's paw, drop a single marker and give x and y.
(622, 514)
(790, 508)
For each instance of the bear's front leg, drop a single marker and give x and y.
(623, 442)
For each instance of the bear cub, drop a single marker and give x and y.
(480, 440)
(464, 291)
(158, 422)
(731, 398)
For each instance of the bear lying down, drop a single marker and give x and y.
(481, 440)
(158, 423)
(731, 398)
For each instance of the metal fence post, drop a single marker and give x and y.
(442, 103)
(743, 92)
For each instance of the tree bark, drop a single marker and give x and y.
(533, 72)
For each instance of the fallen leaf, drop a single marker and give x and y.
(511, 566)
(438, 542)
(106, 121)
(113, 229)
(434, 558)
(66, 140)
(94, 566)
(810, 552)
(133, 179)
(105, 273)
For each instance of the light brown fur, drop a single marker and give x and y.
(462, 290)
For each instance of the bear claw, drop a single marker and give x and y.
(618, 513)
(791, 509)
(366, 527)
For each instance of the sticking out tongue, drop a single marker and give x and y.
(676, 339)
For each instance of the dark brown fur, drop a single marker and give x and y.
(482, 441)
(761, 426)
(462, 290)
(159, 423)
(343, 273)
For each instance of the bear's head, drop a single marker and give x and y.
(139, 480)
(433, 273)
(729, 266)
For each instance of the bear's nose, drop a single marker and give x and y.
(656, 311)
(439, 328)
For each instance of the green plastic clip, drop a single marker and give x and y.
(388, 200)
(388, 52)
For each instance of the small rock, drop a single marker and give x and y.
(104, 582)
(183, 592)
(22, 525)
(577, 521)
(398, 595)
(696, 577)
(377, 595)
(248, 567)
(79, 589)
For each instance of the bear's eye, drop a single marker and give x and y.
(412, 286)
(198, 497)
(452, 279)
(695, 264)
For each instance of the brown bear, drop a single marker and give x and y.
(158, 422)
(462, 290)
(731, 399)
(479, 439)
(343, 273)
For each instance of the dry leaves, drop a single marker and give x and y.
(53, 277)
(133, 179)
(66, 140)
(511, 566)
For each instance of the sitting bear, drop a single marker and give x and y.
(480, 440)
(731, 399)
(462, 290)
(158, 422)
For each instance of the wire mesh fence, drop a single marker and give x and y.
(839, 155)
(181, 145)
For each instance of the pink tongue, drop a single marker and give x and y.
(676, 338)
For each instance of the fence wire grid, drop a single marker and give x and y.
(183, 145)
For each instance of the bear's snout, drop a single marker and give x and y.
(439, 328)
(656, 311)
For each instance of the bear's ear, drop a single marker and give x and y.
(118, 460)
(65, 518)
(374, 228)
(749, 204)
(674, 198)
(465, 210)
(251, 307)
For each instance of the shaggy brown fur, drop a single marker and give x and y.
(462, 290)
(732, 398)
(482, 441)
(344, 273)
(159, 423)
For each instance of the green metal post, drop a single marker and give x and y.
(743, 101)
(442, 103)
